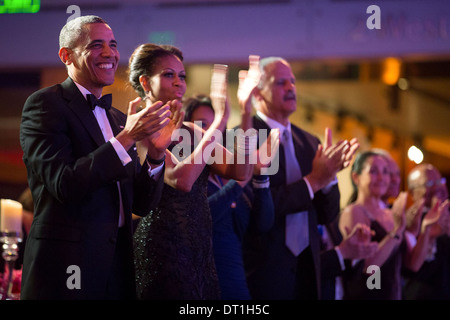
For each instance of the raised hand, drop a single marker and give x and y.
(437, 218)
(328, 138)
(358, 244)
(399, 212)
(347, 152)
(144, 123)
(248, 80)
(353, 146)
(160, 140)
(414, 216)
(329, 160)
(219, 95)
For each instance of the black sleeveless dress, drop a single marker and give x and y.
(173, 253)
(390, 273)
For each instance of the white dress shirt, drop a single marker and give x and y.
(103, 122)
(273, 124)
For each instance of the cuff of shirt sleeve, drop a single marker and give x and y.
(327, 188)
(120, 150)
(311, 193)
(341, 259)
(261, 181)
(410, 239)
(155, 173)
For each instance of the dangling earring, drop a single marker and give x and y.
(144, 81)
(148, 95)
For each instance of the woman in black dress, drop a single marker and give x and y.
(381, 275)
(173, 244)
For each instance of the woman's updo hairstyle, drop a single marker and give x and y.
(143, 62)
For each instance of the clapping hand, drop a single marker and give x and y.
(330, 159)
(437, 218)
(142, 124)
(358, 244)
(414, 216)
(248, 80)
(345, 149)
(160, 140)
(219, 95)
(399, 213)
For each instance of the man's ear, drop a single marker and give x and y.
(65, 54)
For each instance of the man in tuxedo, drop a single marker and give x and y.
(432, 280)
(84, 174)
(342, 258)
(284, 263)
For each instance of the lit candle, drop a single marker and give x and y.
(10, 216)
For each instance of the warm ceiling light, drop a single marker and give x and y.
(391, 71)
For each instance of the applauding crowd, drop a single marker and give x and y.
(168, 203)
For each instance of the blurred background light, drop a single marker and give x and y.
(415, 154)
(391, 71)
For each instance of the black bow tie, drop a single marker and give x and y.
(103, 102)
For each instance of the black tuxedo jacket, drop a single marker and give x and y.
(273, 271)
(73, 176)
(331, 267)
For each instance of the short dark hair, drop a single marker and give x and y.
(191, 104)
(74, 30)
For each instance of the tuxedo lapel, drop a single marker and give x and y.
(114, 122)
(333, 231)
(259, 124)
(303, 150)
(79, 105)
(299, 147)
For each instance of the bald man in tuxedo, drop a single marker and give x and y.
(304, 191)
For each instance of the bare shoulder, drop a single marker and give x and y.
(353, 209)
(352, 215)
